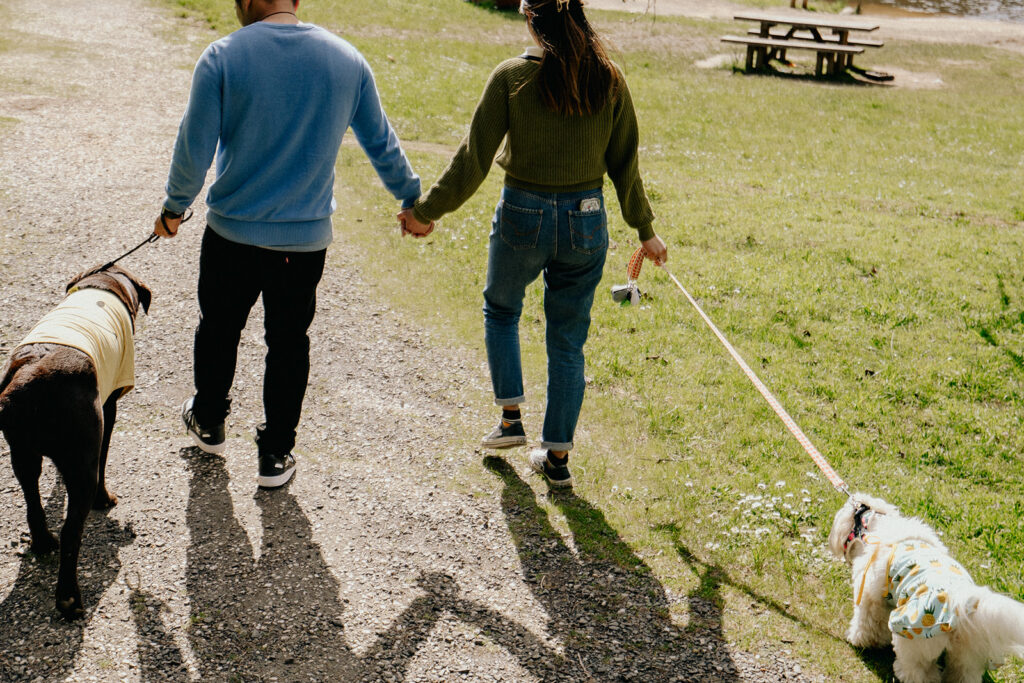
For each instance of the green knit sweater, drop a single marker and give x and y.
(544, 151)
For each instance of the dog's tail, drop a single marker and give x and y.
(997, 624)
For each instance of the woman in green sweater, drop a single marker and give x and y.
(567, 119)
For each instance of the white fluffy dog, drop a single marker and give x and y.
(908, 591)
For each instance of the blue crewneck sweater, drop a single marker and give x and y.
(273, 102)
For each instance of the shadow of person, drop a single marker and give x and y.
(220, 575)
(281, 615)
(602, 601)
(34, 641)
(299, 598)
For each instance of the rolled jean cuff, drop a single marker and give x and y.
(556, 445)
(510, 401)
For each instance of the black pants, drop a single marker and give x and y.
(231, 277)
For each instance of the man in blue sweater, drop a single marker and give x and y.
(271, 102)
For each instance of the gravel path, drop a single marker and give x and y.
(373, 564)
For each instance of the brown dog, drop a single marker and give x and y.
(58, 398)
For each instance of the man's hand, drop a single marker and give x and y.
(165, 226)
(655, 250)
(410, 226)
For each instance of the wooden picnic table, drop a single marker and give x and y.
(828, 35)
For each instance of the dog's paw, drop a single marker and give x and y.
(912, 674)
(104, 501)
(44, 545)
(71, 607)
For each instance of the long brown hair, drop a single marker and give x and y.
(576, 76)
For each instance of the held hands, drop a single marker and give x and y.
(655, 249)
(410, 226)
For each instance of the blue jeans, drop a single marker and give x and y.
(534, 233)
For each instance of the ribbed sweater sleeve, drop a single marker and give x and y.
(475, 154)
(622, 159)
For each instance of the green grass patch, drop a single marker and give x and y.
(859, 245)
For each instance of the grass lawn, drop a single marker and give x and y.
(860, 246)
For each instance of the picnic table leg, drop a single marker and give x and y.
(750, 58)
(818, 63)
(844, 60)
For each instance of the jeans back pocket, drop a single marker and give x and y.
(520, 227)
(588, 230)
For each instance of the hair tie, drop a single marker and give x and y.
(562, 4)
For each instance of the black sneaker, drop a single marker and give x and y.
(505, 436)
(209, 439)
(275, 470)
(557, 475)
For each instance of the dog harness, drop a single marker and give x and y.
(921, 577)
(97, 323)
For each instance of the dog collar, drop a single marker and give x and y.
(859, 526)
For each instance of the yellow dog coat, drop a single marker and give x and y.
(97, 323)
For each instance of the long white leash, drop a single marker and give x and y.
(635, 262)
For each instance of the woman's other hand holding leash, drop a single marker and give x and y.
(655, 249)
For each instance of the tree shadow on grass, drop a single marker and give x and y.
(30, 625)
(604, 604)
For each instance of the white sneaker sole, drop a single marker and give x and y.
(212, 449)
(275, 481)
(215, 449)
(504, 442)
(537, 465)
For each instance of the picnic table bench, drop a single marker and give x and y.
(828, 37)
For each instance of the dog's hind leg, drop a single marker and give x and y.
(80, 469)
(963, 665)
(27, 465)
(917, 660)
(104, 500)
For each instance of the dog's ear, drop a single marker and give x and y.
(141, 290)
(145, 296)
(876, 504)
(142, 296)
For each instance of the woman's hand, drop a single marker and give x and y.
(411, 226)
(655, 249)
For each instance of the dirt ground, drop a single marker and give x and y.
(371, 564)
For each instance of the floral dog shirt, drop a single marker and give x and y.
(920, 580)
